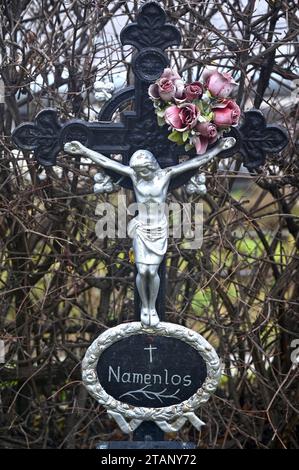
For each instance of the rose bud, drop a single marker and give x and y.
(226, 115)
(193, 91)
(182, 117)
(218, 84)
(207, 129)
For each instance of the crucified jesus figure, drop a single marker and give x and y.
(149, 229)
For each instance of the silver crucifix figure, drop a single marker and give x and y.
(149, 229)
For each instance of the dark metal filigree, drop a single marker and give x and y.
(259, 139)
(120, 98)
(40, 136)
(151, 29)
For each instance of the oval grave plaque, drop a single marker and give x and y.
(150, 370)
(160, 374)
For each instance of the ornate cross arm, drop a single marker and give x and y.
(258, 139)
(46, 137)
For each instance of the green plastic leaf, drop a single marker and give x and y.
(200, 106)
(185, 136)
(201, 118)
(160, 113)
(188, 147)
(176, 137)
(161, 121)
(173, 136)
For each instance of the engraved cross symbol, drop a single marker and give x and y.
(150, 349)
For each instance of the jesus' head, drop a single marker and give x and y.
(144, 164)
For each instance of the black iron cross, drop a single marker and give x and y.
(138, 129)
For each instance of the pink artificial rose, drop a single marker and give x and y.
(193, 91)
(200, 143)
(182, 117)
(170, 85)
(218, 84)
(153, 91)
(207, 129)
(176, 79)
(166, 89)
(226, 114)
(206, 133)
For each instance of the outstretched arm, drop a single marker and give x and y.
(76, 148)
(200, 160)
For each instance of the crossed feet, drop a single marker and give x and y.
(149, 317)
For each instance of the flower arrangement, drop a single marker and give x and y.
(197, 113)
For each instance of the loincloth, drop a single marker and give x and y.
(148, 240)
